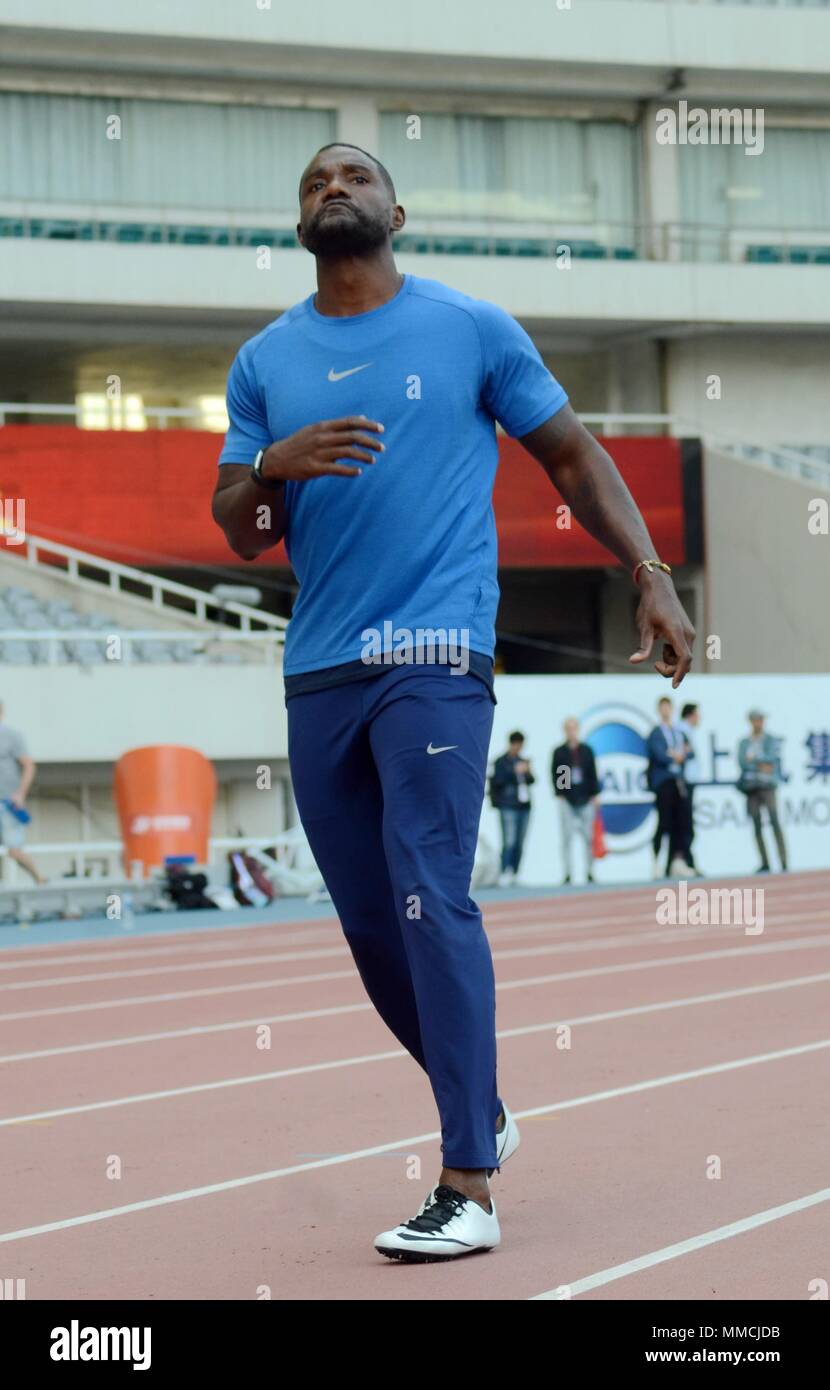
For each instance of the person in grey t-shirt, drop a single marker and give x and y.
(17, 769)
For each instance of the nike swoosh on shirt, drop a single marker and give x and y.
(350, 371)
(445, 749)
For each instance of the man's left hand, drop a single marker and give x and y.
(661, 615)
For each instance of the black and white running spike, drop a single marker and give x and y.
(447, 1225)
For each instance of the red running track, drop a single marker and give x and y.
(670, 1083)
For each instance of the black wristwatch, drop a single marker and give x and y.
(256, 473)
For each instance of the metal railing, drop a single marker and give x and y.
(772, 458)
(81, 850)
(166, 595)
(605, 422)
(267, 639)
(72, 894)
(545, 235)
(160, 413)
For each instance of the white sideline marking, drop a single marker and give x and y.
(310, 1067)
(230, 1184)
(192, 967)
(296, 931)
(803, 884)
(128, 947)
(196, 1031)
(683, 1247)
(175, 995)
(657, 933)
(757, 948)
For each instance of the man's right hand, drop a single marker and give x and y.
(312, 451)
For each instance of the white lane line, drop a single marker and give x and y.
(176, 995)
(752, 945)
(683, 1247)
(196, 1031)
(525, 913)
(559, 948)
(632, 1012)
(126, 948)
(655, 933)
(108, 1213)
(660, 962)
(601, 941)
(798, 886)
(301, 1016)
(192, 967)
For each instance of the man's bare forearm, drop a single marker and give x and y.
(253, 518)
(592, 487)
(589, 482)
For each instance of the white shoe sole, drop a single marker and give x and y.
(472, 1233)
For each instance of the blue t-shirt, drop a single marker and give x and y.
(412, 541)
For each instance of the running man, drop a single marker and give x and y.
(362, 430)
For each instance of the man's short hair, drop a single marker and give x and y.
(664, 700)
(687, 710)
(346, 145)
(516, 737)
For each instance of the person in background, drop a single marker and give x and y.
(689, 721)
(17, 771)
(667, 752)
(575, 783)
(510, 794)
(760, 775)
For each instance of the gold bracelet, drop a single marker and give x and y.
(650, 565)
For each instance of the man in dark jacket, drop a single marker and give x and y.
(668, 748)
(510, 794)
(575, 783)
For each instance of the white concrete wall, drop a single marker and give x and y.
(622, 32)
(70, 714)
(101, 275)
(773, 387)
(767, 576)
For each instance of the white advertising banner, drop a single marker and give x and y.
(616, 714)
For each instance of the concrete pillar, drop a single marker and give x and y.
(661, 179)
(358, 123)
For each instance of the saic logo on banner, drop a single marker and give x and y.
(617, 733)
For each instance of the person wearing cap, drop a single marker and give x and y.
(760, 775)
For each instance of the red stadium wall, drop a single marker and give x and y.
(143, 498)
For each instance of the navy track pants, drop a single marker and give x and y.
(393, 828)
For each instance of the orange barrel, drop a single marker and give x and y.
(164, 796)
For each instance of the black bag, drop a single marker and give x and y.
(186, 889)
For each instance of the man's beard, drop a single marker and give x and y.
(352, 233)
